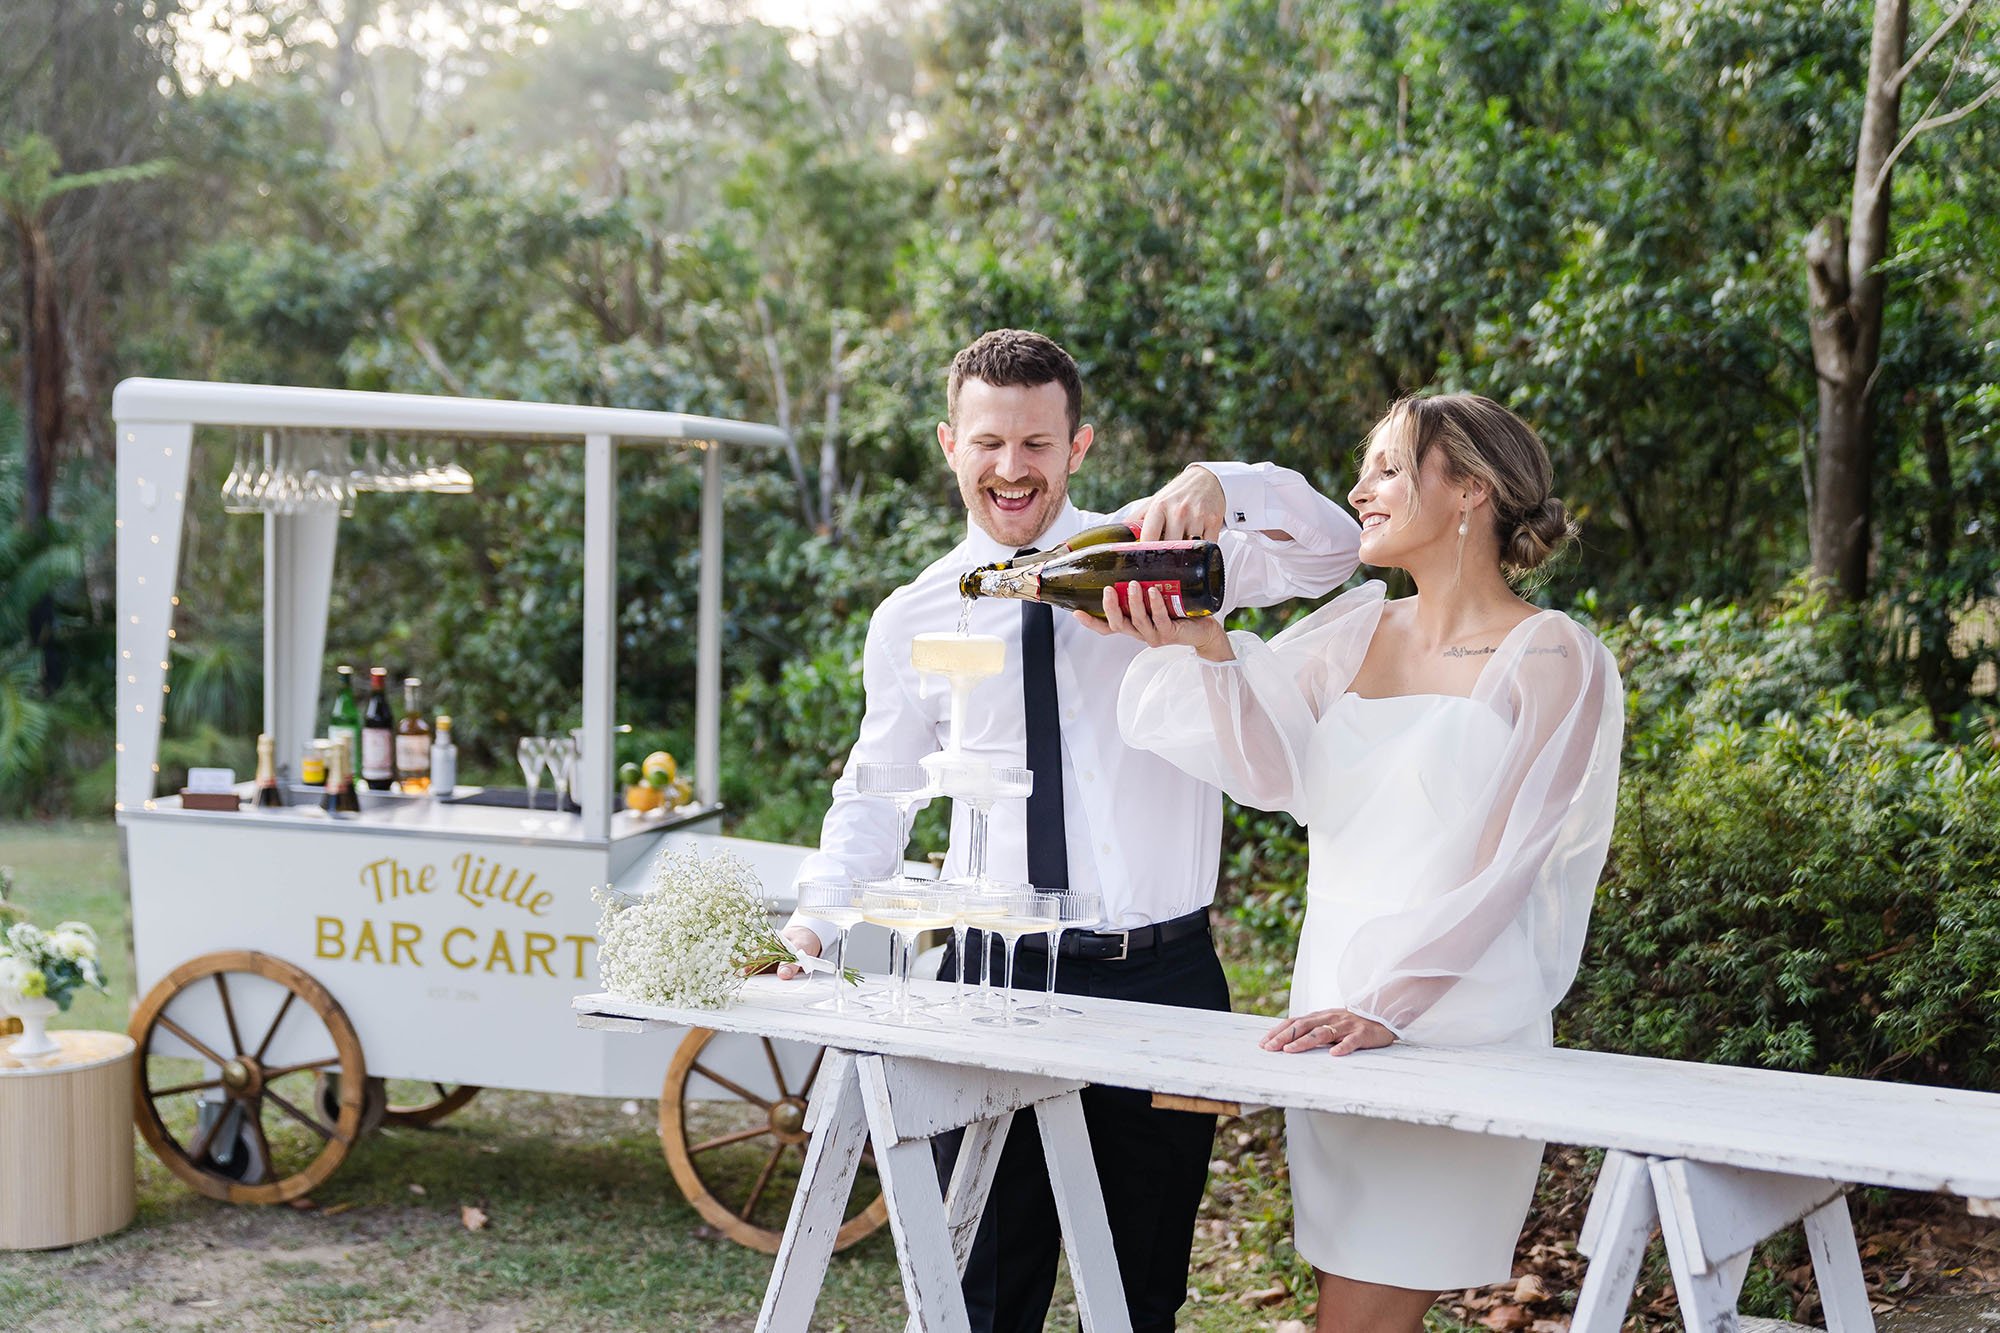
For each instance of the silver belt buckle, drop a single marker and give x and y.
(1124, 945)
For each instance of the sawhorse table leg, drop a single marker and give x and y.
(902, 1104)
(1710, 1218)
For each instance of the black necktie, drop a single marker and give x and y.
(1048, 845)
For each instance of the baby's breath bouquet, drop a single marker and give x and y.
(691, 939)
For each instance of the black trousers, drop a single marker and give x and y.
(1152, 1165)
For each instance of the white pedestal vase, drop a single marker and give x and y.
(34, 1015)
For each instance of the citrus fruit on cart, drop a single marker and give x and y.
(658, 762)
(642, 798)
(630, 774)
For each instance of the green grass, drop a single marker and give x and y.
(72, 873)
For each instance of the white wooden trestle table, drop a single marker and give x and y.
(1718, 1157)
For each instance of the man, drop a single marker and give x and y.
(1104, 816)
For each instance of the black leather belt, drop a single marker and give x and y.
(1117, 945)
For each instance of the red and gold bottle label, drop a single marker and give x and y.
(1169, 590)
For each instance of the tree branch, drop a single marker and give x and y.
(1902, 76)
(1986, 95)
(427, 350)
(781, 391)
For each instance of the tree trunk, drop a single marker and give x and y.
(1845, 294)
(1943, 677)
(829, 444)
(44, 375)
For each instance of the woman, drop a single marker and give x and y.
(1454, 755)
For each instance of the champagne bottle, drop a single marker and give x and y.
(1189, 573)
(269, 797)
(341, 801)
(346, 718)
(444, 759)
(378, 734)
(413, 742)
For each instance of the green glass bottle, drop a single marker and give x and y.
(1188, 573)
(346, 718)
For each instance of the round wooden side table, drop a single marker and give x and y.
(66, 1141)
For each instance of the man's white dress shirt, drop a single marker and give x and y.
(1140, 831)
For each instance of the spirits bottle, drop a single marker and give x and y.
(378, 734)
(1189, 573)
(269, 795)
(444, 759)
(341, 800)
(346, 718)
(413, 742)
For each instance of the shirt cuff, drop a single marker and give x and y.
(1245, 497)
(827, 932)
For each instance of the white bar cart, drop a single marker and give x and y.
(292, 964)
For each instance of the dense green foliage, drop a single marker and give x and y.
(1255, 224)
(1792, 883)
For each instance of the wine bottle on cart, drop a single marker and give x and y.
(341, 800)
(1188, 573)
(378, 733)
(413, 742)
(269, 795)
(444, 759)
(346, 716)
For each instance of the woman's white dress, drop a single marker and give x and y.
(1455, 846)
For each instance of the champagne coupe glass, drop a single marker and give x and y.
(529, 752)
(559, 752)
(258, 488)
(906, 913)
(978, 785)
(1027, 913)
(455, 480)
(838, 903)
(281, 496)
(315, 490)
(1076, 909)
(979, 903)
(236, 488)
(366, 474)
(339, 467)
(906, 786)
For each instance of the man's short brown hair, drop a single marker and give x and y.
(1016, 359)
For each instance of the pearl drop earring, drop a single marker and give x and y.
(1461, 524)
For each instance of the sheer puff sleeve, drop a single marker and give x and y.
(1490, 940)
(1246, 725)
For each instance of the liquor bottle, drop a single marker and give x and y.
(341, 801)
(269, 796)
(378, 733)
(1188, 572)
(1100, 535)
(346, 718)
(413, 742)
(444, 759)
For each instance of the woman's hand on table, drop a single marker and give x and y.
(1152, 624)
(1342, 1032)
(802, 941)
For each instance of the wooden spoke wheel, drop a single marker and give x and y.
(428, 1102)
(231, 1046)
(736, 1154)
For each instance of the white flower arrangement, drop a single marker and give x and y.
(692, 938)
(37, 964)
